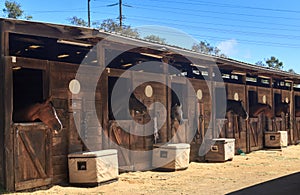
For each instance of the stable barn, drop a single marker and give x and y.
(39, 60)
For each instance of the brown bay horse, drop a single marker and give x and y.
(259, 108)
(237, 108)
(40, 111)
(282, 107)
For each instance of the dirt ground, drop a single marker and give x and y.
(200, 178)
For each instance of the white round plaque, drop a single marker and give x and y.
(287, 100)
(74, 86)
(199, 94)
(236, 97)
(148, 91)
(264, 99)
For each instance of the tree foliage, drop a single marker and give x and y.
(77, 21)
(13, 10)
(206, 48)
(271, 62)
(292, 71)
(156, 39)
(110, 25)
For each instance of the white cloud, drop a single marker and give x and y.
(228, 47)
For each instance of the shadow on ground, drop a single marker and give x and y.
(289, 184)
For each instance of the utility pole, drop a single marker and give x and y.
(120, 13)
(89, 14)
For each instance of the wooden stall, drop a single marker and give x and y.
(203, 115)
(39, 60)
(296, 118)
(257, 125)
(283, 107)
(236, 125)
(32, 69)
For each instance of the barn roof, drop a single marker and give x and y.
(29, 32)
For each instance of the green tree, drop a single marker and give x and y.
(13, 10)
(156, 39)
(77, 21)
(206, 48)
(110, 25)
(260, 63)
(292, 71)
(273, 62)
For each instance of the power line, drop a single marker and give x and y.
(230, 6)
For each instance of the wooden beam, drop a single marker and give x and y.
(8, 131)
(50, 30)
(2, 100)
(6, 135)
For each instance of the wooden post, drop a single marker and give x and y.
(2, 102)
(292, 114)
(104, 96)
(165, 134)
(7, 109)
(273, 123)
(212, 87)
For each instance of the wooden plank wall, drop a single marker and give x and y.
(281, 123)
(75, 112)
(8, 133)
(236, 126)
(255, 127)
(203, 109)
(288, 120)
(2, 65)
(180, 133)
(131, 155)
(265, 94)
(296, 120)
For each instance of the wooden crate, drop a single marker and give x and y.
(171, 156)
(276, 139)
(93, 168)
(220, 150)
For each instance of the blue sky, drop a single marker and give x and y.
(248, 31)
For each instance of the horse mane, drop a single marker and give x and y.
(260, 108)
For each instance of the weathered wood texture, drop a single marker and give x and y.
(85, 116)
(282, 122)
(2, 102)
(132, 136)
(82, 124)
(236, 126)
(257, 126)
(8, 139)
(201, 113)
(296, 119)
(33, 162)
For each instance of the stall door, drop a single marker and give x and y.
(255, 133)
(32, 155)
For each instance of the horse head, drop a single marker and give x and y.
(282, 107)
(47, 114)
(262, 108)
(177, 113)
(237, 108)
(139, 108)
